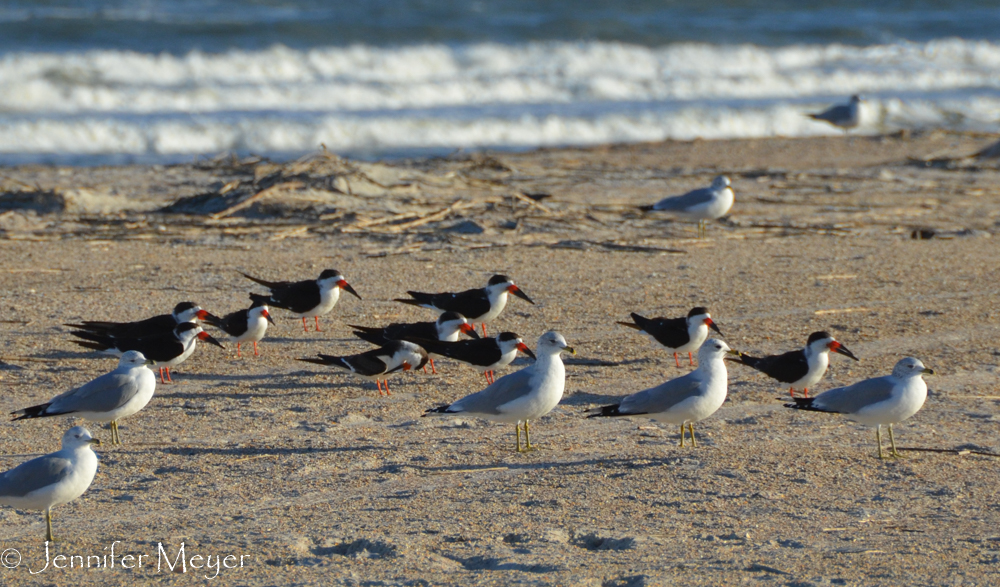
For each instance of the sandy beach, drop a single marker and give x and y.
(306, 477)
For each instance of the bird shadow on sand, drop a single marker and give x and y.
(311, 339)
(608, 463)
(189, 451)
(583, 398)
(59, 354)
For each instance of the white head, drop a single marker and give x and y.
(720, 182)
(185, 332)
(698, 316)
(713, 350)
(553, 343)
(331, 278)
(78, 436)
(509, 341)
(823, 342)
(258, 312)
(187, 312)
(133, 359)
(449, 323)
(910, 367)
(502, 283)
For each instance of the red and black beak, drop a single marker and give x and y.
(206, 337)
(469, 329)
(342, 284)
(711, 324)
(267, 315)
(517, 292)
(842, 350)
(524, 349)
(202, 314)
(406, 366)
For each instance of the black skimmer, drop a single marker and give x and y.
(446, 328)
(800, 369)
(377, 364)
(168, 350)
(155, 326)
(310, 298)
(477, 305)
(244, 325)
(521, 396)
(485, 354)
(109, 398)
(677, 335)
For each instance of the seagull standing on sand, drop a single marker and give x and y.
(54, 479)
(109, 398)
(876, 402)
(688, 399)
(703, 204)
(523, 395)
(845, 116)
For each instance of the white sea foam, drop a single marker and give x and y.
(367, 98)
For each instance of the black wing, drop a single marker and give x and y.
(482, 352)
(670, 332)
(154, 326)
(471, 303)
(787, 367)
(163, 347)
(298, 297)
(233, 324)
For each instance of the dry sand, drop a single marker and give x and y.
(313, 479)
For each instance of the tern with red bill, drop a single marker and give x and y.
(521, 396)
(677, 335)
(109, 398)
(377, 364)
(799, 369)
(155, 326)
(447, 328)
(881, 401)
(307, 299)
(168, 350)
(485, 355)
(245, 325)
(477, 305)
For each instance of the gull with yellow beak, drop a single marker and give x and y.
(521, 396)
(53, 479)
(881, 401)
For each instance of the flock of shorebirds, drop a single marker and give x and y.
(517, 398)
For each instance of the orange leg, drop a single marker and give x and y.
(791, 391)
(378, 384)
(805, 392)
(691, 359)
(304, 327)
(386, 382)
(486, 374)
(483, 326)
(425, 369)
(317, 324)
(238, 351)
(168, 375)
(676, 360)
(433, 370)
(162, 380)
(255, 353)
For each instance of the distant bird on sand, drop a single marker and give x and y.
(377, 364)
(310, 298)
(845, 116)
(876, 402)
(477, 305)
(245, 325)
(800, 369)
(703, 204)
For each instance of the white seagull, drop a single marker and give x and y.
(688, 399)
(53, 479)
(703, 204)
(845, 116)
(523, 395)
(876, 402)
(109, 398)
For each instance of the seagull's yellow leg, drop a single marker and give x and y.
(527, 438)
(878, 437)
(892, 441)
(517, 433)
(48, 525)
(691, 428)
(682, 435)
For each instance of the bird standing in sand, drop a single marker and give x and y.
(800, 369)
(53, 479)
(703, 204)
(685, 400)
(677, 335)
(521, 396)
(109, 398)
(844, 116)
(881, 401)
(309, 298)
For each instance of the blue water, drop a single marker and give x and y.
(173, 79)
